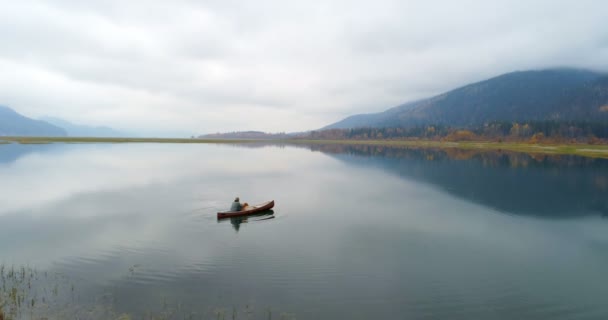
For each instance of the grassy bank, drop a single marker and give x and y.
(587, 150)
(44, 140)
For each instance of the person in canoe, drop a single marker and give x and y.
(237, 206)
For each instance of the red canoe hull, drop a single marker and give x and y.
(254, 209)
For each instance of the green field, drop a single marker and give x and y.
(587, 150)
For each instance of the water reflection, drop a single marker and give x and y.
(518, 183)
(11, 152)
(373, 233)
(56, 172)
(237, 221)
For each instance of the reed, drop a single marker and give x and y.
(26, 293)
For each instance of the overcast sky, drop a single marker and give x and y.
(189, 67)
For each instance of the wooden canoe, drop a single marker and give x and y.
(249, 210)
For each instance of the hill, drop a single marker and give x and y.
(15, 124)
(545, 95)
(77, 130)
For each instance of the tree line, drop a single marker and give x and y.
(530, 131)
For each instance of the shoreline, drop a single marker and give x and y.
(585, 150)
(48, 140)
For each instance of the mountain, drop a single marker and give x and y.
(556, 94)
(14, 124)
(76, 130)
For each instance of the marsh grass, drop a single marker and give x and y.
(26, 293)
(585, 150)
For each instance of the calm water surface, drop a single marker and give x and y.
(96, 231)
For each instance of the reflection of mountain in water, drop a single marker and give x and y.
(547, 186)
(13, 151)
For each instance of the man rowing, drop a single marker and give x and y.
(237, 206)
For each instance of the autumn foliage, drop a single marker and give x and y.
(530, 132)
(461, 135)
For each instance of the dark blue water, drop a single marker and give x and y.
(357, 232)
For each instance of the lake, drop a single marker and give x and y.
(103, 231)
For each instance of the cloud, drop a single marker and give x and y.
(204, 66)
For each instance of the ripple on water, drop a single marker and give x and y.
(496, 299)
(148, 276)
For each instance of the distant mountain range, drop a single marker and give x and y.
(556, 94)
(76, 130)
(14, 124)
(559, 95)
